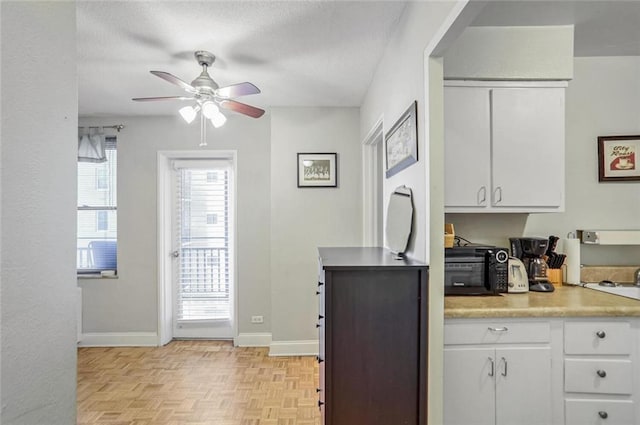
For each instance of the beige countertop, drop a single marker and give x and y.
(565, 301)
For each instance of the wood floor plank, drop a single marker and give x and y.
(195, 383)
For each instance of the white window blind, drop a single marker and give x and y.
(203, 235)
(97, 213)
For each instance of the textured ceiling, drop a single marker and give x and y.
(299, 53)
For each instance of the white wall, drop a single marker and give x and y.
(39, 147)
(511, 53)
(302, 219)
(398, 81)
(129, 303)
(602, 99)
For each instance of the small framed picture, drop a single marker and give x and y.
(317, 170)
(401, 142)
(617, 158)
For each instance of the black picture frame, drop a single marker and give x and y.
(317, 170)
(618, 158)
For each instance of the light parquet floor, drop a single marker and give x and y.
(195, 383)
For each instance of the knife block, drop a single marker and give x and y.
(555, 276)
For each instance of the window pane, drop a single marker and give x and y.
(97, 213)
(96, 182)
(96, 248)
(102, 221)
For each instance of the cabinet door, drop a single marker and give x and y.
(469, 386)
(528, 147)
(523, 386)
(467, 147)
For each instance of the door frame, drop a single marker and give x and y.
(372, 154)
(164, 237)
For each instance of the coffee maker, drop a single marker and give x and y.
(531, 252)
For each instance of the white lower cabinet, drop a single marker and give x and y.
(600, 372)
(572, 371)
(499, 374)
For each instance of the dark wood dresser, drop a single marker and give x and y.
(373, 338)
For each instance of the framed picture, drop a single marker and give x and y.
(617, 158)
(317, 170)
(401, 142)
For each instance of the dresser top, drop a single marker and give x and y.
(352, 257)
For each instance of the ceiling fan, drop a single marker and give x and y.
(208, 96)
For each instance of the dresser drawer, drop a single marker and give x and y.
(598, 376)
(597, 338)
(599, 412)
(496, 332)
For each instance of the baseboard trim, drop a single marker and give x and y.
(294, 348)
(119, 339)
(261, 339)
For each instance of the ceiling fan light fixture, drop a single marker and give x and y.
(189, 113)
(218, 120)
(210, 109)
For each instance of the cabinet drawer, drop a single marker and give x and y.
(599, 412)
(597, 338)
(598, 376)
(459, 333)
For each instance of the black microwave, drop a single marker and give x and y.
(476, 270)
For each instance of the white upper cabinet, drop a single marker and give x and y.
(504, 146)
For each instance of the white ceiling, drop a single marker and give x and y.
(299, 53)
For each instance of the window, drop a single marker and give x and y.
(212, 177)
(102, 179)
(97, 213)
(103, 221)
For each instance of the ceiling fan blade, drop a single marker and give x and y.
(153, 99)
(242, 108)
(174, 80)
(237, 90)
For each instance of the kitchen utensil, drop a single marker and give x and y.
(553, 242)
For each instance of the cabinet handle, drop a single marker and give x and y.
(320, 403)
(317, 292)
(603, 414)
(504, 370)
(502, 329)
(320, 316)
(601, 334)
(320, 283)
(601, 373)
(481, 192)
(319, 359)
(318, 390)
(496, 198)
(492, 370)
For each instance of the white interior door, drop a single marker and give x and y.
(203, 245)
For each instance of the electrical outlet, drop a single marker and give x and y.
(257, 319)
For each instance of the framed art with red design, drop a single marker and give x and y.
(618, 158)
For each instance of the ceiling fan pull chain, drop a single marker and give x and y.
(203, 131)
